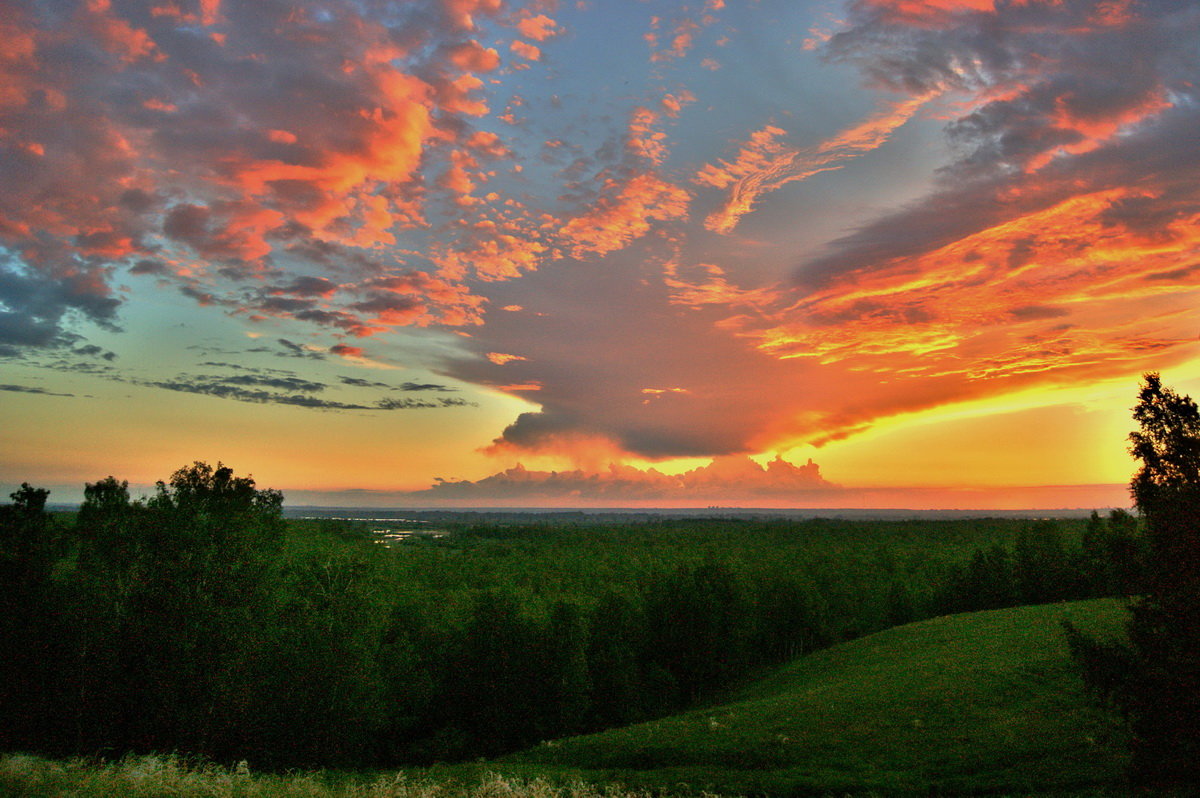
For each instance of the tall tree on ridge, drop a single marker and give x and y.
(1155, 679)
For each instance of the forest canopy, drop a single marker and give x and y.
(199, 620)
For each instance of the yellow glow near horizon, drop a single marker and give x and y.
(1066, 435)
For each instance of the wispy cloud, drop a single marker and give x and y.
(764, 163)
(288, 391)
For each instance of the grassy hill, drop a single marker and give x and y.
(983, 702)
(980, 702)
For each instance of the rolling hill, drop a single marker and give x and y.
(979, 702)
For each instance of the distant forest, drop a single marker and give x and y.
(199, 620)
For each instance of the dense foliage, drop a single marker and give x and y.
(198, 620)
(1155, 679)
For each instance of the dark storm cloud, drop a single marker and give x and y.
(616, 364)
(358, 382)
(295, 384)
(34, 306)
(389, 403)
(273, 386)
(31, 389)
(242, 390)
(306, 286)
(293, 349)
(424, 386)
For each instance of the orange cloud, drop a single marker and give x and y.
(934, 13)
(673, 103)
(473, 57)
(462, 13)
(502, 257)
(712, 287)
(645, 140)
(391, 139)
(624, 213)
(210, 12)
(682, 38)
(500, 358)
(764, 164)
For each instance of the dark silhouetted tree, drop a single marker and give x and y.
(1155, 680)
(30, 544)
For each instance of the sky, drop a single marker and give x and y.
(837, 253)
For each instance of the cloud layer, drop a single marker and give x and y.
(1056, 246)
(726, 479)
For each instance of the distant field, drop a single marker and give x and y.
(980, 702)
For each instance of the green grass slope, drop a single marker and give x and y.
(984, 702)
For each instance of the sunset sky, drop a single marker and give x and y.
(605, 252)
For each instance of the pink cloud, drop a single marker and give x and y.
(682, 37)
(115, 34)
(292, 133)
(526, 50)
(538, 27)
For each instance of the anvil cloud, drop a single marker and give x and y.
(620, 233)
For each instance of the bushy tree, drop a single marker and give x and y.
(30, 544)
(1155, 679)
(167, 593)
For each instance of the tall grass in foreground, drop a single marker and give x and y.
(26, 776)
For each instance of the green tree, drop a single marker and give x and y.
(30, 634)
(899, 608)
(567, 690)
(491, 695)
(698, 623)
(170, 592)
(617, 631)
(1155, 679)
(318, 681)
(1126, 551)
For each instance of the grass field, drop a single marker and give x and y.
(23, 776)
(981, 703)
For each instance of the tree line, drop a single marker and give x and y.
(199, 620)
(1042, 566)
